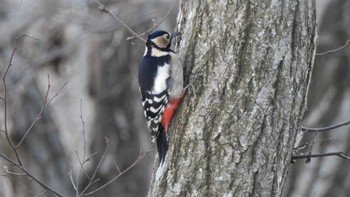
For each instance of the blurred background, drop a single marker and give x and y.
(76, 43)
(328, 104)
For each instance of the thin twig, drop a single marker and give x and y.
(82, 163)
(20, 184)
(320, 129)
(116, 165)
(103, 8)
(311, 146)
(91, 181)
(157, 24)
(13, 53)
(83, 125)
(137, 161)
(70, 174)
(43, 108)
(4, 85)
(339, 154)
(82, 170)
(6, 169)
(307, 143)
(4, 99)
(88, 158)
(335, 50)
(41, 194)
(31, 176)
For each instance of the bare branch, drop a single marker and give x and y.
(20, 184)
(11, 58)
(137, 161)
(88, 158)
(311, 146)
(41, 194)
(13, 54)
(308, 143)
(91, 181)
(116, 166)
(81, 171)
(19, 164)
(30, 175)
(6, 169)
(320, 129)
(83, 125)
(70, 174)
(103, 8)
(82, 163)
(28, 36)
(46, 103)
(4, 99)
(308, 156)
(335, 50)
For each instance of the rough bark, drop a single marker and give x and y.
(328, 105)
(251, 64)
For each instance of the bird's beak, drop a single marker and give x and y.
(175, 34)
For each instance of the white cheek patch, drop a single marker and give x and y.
(158, 53)
(160, 80)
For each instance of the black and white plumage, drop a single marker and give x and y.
(161, 86)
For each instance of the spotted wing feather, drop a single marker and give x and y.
(154, 106)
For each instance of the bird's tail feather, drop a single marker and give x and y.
(162, 144)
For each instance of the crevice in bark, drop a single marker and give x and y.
(295, 33)
(243, 49)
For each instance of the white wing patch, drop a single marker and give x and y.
(161, 78)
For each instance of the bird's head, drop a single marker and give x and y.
(160, 39)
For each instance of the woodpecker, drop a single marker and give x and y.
(161, 87)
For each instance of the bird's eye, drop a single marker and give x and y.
(167, 36)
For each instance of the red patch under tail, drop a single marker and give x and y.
(169, 112)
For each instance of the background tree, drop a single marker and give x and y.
(251, 64)
(328, 104)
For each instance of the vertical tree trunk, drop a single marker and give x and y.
(251, 64)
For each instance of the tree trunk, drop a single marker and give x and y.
(251, 64)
